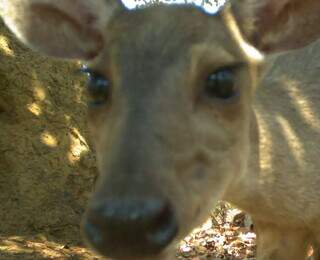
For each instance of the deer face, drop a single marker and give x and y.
(169, 115)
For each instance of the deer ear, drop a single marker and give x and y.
(278, 25)
(72, 29)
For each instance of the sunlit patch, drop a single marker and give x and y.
(13, 245)
(78, 146)
(308, 114)
(251, 51)
(21, 247)
(226, 234)
(5, 46)
(235, 32)
(292, 140)
(265, 145)
(210, 7)
(48, 139)
(34, 108)
(39, 93)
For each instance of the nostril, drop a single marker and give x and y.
(164, 226)
(142, 226)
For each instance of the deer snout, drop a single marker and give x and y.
(130, 228)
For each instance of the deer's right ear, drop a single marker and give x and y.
(71, 29)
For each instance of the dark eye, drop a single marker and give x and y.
(221, 84)
(98, 87)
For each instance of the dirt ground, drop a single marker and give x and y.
(47, 167)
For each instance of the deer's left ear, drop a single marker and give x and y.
(278, 25)
(60, 28)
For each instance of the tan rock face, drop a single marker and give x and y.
(46, 170)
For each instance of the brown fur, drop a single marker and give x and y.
(277, 25)
(281, 191)
(160, 135)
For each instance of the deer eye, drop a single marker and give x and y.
(221, 84)
(98, 87)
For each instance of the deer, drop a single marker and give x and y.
(174, 119)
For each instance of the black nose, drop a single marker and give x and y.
(130, 228)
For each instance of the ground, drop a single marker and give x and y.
(47, 166)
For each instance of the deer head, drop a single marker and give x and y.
(170, 107)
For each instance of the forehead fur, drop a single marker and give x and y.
(161, 27)
(156, 38)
